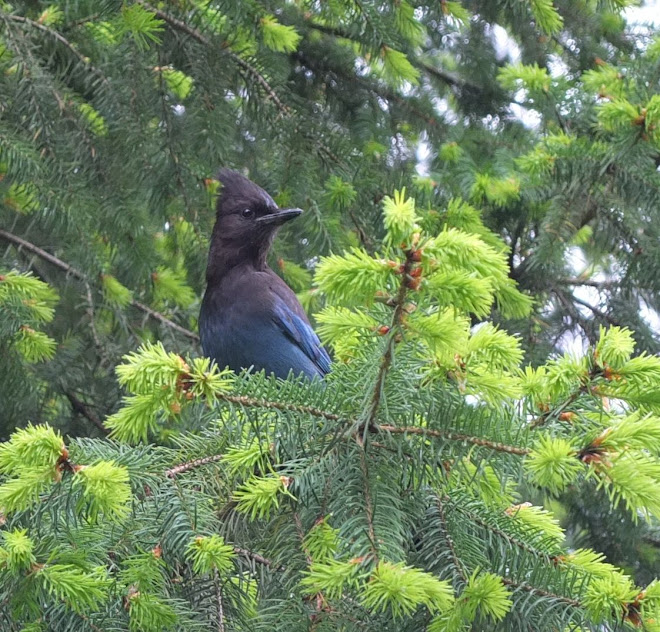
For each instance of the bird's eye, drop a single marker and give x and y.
(247, 213)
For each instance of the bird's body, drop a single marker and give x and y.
(249, 317)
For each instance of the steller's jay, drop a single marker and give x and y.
(249, 316)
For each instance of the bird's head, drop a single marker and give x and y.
(245, 212)
(247, 219)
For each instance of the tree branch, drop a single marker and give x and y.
(438, 73)
(450, 541)
(82, 409)
(173, 472)
(543, 593)
(453, 436)
(587, 282)
(62, 40)
(399, 303)
(255, 557)
(248, 68)
(253, 402)
(244, 400)
(180, 25)
(74, 272)
(219, 604)
(502, 534)
(447, 77)
(598, 312)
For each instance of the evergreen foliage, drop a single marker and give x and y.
(460, 468)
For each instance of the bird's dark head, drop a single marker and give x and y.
(247, 219)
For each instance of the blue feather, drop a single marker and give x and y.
(302, 334)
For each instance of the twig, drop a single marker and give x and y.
(389, 349)
(74, 272)
(453, 436)
(448, 77)
(166, 321)
(82, 409)
(180, 25)
(218, 596)
(555, 412)
(244, 400)
(369, 505)
(249, 69)
(543, 593)
(46, 256)
(450, 541)
(438, 73)
(260, 559)
(502, 534)
(62, 40)
(598, 312)
(173, 472)
(588, 282)
(253, 402)
(581, 321)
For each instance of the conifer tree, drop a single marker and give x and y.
(458, 470)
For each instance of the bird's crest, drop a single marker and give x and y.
(238, 190)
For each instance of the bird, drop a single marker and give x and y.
(249, 317)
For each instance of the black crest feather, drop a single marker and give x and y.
(237, 190)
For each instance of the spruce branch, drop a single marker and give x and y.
(513, 541)
(598, 312)
(434, 71)
(173, 472)
(253, 402)
(450, 541)
(377, 88)
(386, 361)
(180, 25)
(245, 66)
(453, 436)
(62, 40)
(542, 593)
(587, 283)
(368, 500)
(259, 559)
(34, 100)
(74, 272)
(167, 119)
(82, 409)
(219, 603)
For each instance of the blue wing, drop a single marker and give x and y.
(299, 332)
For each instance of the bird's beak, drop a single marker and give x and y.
(279, 216)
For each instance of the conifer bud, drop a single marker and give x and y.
(412, 284)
